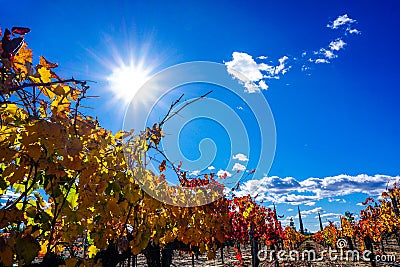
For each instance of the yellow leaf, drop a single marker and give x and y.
(92, 251)
(47, 92)
(175, 230)
(45, 74)
(245, 214)
(119, 135)
(43, 248)
(23, 60)
(45, 63)
(60, 105)
(10, 108)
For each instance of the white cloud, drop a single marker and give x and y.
(312, 203)
(321, 60)
(274, 72)
(337, 45)
(211, 167)
(238, 167)
(289, 209)
(251, 87)
(240, 157)
(344, 22)
(9, 195)
(336, 200)
(263, 85)
(330, 215)
(313, 211)
(324, 55)
(329, 54)
(222, 173)
(303, 216)
(291, 191)
(286, 221)
(354, 31)
(252, 74)
(305, 68)
(195, 173)
(246, 70)
(281, 68)
(244, 64)
(340, 21)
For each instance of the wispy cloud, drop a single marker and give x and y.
(354, 31)
(238, 167)
(325, 54)
(254, 73)
(292, 191)
(336, 200)
(337, 45)
(195, 173)
(345, 22)
(312, 203)
(286, 221)
(312, 211)
(240, 157)
(330, 215)
(8, 195)
(320, 60)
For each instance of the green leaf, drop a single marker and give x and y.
(72, 198)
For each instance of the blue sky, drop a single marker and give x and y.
(334, 121)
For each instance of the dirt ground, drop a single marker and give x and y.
(184, 259)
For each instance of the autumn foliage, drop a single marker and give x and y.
(379, 220)
(70, 196)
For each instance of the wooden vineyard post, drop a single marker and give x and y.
(370, 247)
(254, 248)
(222, 253)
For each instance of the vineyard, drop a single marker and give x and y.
(70, 198)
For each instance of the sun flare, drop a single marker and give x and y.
(126, 80)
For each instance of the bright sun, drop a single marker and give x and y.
(126, 80)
